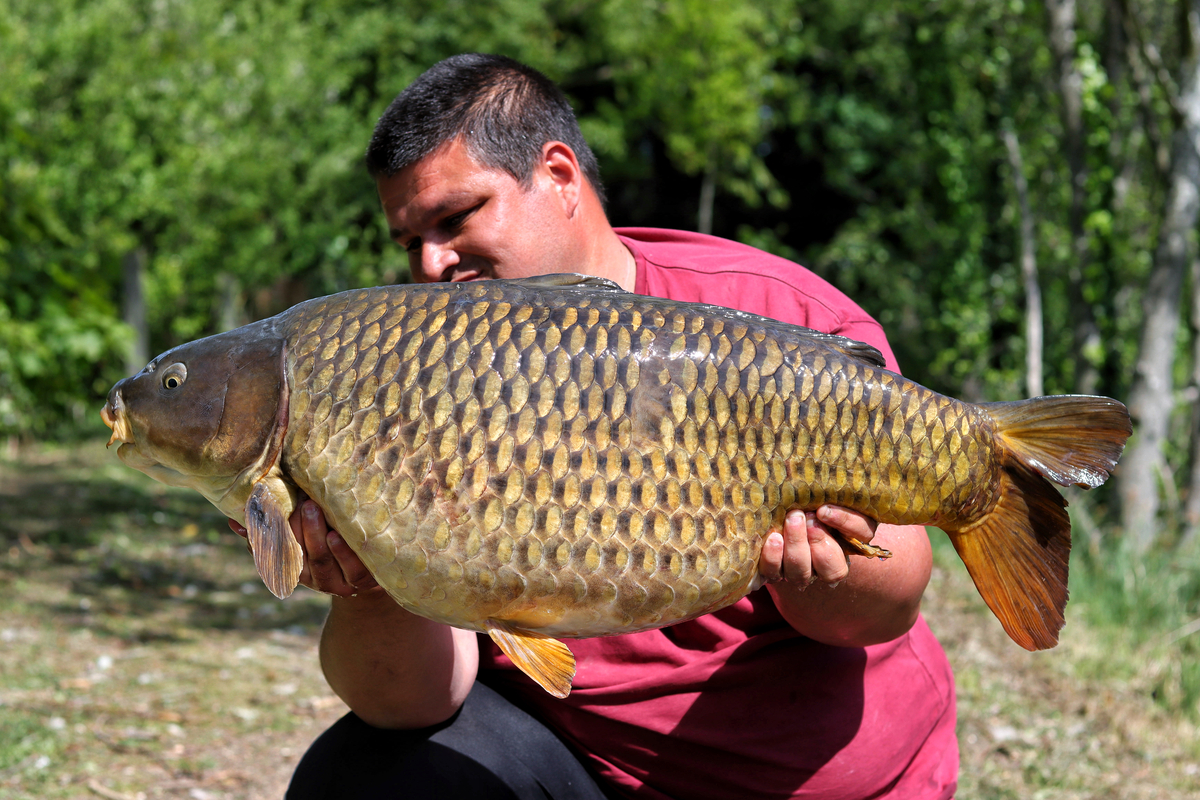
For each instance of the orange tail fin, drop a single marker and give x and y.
(1070, 439)
(1018, 554)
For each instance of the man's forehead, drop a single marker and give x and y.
(450, 169)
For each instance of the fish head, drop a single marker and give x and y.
(203, 415)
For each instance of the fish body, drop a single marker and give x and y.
(557, 458)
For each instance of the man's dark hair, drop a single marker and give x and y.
(503, 110)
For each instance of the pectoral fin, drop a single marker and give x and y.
(277, 554)
(548, 661)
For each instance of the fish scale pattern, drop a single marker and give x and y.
(583, 462)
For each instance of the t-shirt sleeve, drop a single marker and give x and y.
(705, 269)
(787, 304)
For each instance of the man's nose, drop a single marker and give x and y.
(437, 259)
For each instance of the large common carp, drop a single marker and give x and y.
(555, 457)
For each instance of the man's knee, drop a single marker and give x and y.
(489, 749)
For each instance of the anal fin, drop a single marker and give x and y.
(545, 659)
(277, 555)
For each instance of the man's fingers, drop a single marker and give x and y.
(331, 566)
(354, 572)
(812, 547)
(829, 561)
(770, 561)
(797, 558)
(324, 572)
(851, 524)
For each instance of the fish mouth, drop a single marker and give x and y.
(114, 417)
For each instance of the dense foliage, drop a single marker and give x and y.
(215, 148)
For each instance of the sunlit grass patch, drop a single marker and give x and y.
(1148, 607)
(140, 655)
(1090, 717)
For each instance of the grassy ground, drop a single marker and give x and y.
(140, 657)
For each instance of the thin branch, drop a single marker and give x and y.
(1029, 271)
(1184, 631)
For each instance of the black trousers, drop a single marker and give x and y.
(489, 749)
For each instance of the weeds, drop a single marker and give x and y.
(140, 656)
(1148, 608)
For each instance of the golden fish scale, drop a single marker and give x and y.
(596, 462)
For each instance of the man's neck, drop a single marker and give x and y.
(608, 257)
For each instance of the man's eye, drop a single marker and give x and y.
(456, 221)
(414, 246)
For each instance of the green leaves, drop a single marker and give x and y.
(224, 140)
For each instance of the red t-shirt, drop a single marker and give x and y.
(737, 704)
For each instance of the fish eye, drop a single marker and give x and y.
(174, 376)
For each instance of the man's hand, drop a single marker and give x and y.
(880, 598)
(395, 669)
(807, 551)
(330, 566)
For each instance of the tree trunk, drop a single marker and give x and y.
(1152, 398)
(231, 312)
(1191, 509)
(1061, 15)
(1121, 148)
(134, 310)
(1143, 81)
(1029, 274)
(708, 193)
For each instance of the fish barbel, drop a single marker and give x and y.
(557, 458)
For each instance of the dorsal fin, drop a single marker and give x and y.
(570, 280)
(859, 351)
(851, 348)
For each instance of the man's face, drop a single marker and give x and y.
(460, 221)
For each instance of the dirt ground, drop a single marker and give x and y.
(140, 657)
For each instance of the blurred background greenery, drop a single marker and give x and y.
(1009, 187)
(214, 149)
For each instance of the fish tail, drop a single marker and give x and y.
(1070, 439)
(1018, 553)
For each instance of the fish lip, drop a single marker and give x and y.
(114, 417)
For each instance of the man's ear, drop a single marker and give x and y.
(562, 169)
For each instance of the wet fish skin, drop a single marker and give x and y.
(539, 476)
(558, 458)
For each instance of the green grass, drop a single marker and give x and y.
(140, 656)
(1111, 712)
(1141, 613)
(1148, 607)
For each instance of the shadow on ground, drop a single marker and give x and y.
(138, 559)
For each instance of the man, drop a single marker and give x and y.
(826, 683)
